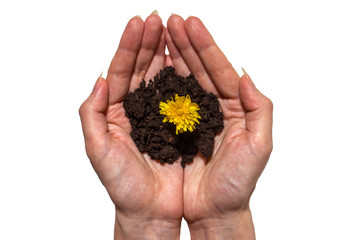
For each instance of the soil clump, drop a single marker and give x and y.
(159, 139)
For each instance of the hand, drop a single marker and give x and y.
(217, 191)
(147, 195)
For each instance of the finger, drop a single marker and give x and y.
(216, 64)
(93, 120)
(259, 113)
(158, 61)
(178, 35)
(176, 59)
(122, 65)
(149, 44)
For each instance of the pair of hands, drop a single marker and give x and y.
(211, 194)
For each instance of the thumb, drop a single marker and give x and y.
(259, 114)
(93, 119)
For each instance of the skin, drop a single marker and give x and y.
(211, 194)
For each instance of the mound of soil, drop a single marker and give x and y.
(159, 139)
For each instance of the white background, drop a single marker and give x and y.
(304, 55)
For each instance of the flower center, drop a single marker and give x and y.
(181, 112)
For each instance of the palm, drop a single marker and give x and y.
(227, 179)
(137, 181)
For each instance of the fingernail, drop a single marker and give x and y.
(172, 14)
(248, 77)
(245, 73)
(138, 16)
(155, 12)
(98, 83)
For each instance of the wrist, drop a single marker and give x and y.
(139, 227)
(235, 225)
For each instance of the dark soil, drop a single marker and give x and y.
(159, 139)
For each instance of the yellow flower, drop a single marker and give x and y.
(181, 112)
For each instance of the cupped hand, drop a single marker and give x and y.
(147, 195)
(217, 190)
